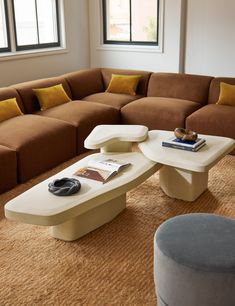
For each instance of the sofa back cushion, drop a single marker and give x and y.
(29, 97)
(9, 93)
(142, 84)
(180, 86)
(215, 88)
(84, 82)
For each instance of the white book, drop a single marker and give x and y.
(101, 170)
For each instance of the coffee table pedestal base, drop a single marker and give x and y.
(119, 146)
(90, 220)
(183, 184)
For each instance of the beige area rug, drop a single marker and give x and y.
(112, 265)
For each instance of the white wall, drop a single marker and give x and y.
(167, 60)
(77, 55)
(210, 43)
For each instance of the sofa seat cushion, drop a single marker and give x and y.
(8, 166)
(158, 113)
(84, 116)
(112, 99)
(41, 143)
(213, 119)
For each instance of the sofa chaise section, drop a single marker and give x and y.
(8, 166)
(41, 143)
(214, 119)
(171, 98)
(84, 116)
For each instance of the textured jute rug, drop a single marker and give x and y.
(113, 265)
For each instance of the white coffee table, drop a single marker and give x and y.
(96, 203)
(185, 174)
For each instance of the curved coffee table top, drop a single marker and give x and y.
(38, 206)
(103, 135)
(201, 161)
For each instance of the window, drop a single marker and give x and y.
(4, 37)
(131, 22)
(34, 24)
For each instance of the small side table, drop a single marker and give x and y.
(184, 174)
(115, 138)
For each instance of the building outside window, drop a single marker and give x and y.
(34, 24)
(131, 22)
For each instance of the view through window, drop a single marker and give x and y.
(34, 24)
(131, 21)
(4, 45)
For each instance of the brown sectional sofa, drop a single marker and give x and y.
(39, 140)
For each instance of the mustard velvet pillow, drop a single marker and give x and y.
(51, 96)
(9, 109)
(227, 94)
(123, 84)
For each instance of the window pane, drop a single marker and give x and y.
(118, 20)
(144, 20)
(3, 29)
(26, 24)
(47, 21)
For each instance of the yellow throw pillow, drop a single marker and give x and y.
(51, 96)
(9, 109)
(227, 94)
(123, 84)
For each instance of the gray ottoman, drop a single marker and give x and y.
(194, 261)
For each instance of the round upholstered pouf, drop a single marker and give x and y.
(194, 261)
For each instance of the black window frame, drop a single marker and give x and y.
(8, 48)
(130, 42)
(39, 45)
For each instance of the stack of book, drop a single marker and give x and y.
(177, 143)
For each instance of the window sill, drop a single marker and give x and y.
(130, 48)
(31, 53)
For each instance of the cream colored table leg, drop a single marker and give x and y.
(182, 184)
(119, 146)
(90, 220)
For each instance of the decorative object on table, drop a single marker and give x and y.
(185, 134)
(184, 140)
(64, 187)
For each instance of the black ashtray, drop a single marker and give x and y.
(64, 187)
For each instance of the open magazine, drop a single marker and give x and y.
(101, 170)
